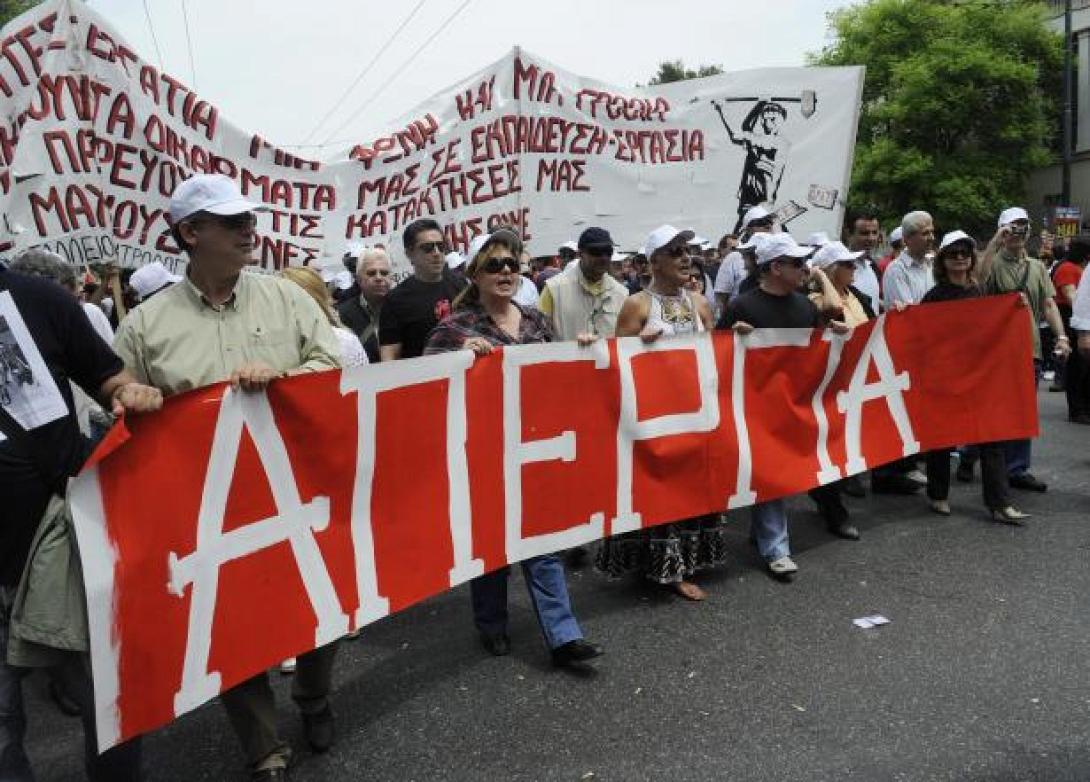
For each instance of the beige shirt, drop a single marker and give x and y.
(853, 315)
(179, 341)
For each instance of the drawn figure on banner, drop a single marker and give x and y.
(766, 148)
(15, 372)
(27, 390)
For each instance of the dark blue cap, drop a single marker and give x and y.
(595, 237)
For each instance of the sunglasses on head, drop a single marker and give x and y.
(497, 265)
(431, 247)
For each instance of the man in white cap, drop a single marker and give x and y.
(1012, 270)
(896, 244)
(910, 276)
(776, 303)
(732, 271)
(152, 278)
(220, 323)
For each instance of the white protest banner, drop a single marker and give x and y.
(94, 139)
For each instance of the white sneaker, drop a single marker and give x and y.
(288, 666)
(784, 566)
(916, 477)
(1048, 375)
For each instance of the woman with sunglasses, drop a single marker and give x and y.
(485, 316)
(670, 553)
(959, 274)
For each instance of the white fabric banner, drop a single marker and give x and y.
(94, 138)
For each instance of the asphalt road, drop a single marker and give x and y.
(983, 674)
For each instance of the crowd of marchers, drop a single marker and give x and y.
(110, 348)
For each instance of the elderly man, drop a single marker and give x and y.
(416, 305)
(221, 324)
(863, 232)
(909, 277)
(1012, 270)
(585, 300)
(361, 313)
(46, 341)
(777, 303)
(733, 270)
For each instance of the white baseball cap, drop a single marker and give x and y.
(213, 193)
(662, 236)
(151, 277)
(833, 252)
(956, 236)
(817, 239)
(778, 246)
(618, 257)
(755, 213)
(570, 245)
(454, 260)
(896, 235)
(1009, 215)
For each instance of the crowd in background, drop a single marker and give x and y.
(119, 341)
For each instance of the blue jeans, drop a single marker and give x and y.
(1019, 453)
(120, 764)
(14, 766)
(548, 587)
(768, 526)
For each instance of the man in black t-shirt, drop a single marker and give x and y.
(417, 304)
(777, 304)
(46, 340)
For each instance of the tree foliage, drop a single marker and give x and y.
(676, 71)
(9, 9)
(960, 103)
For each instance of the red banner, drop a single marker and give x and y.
(233, 530)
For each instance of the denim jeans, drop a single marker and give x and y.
(120, 764)
(14, 766)
(1019, 453)
(768, 526)
(548, 587)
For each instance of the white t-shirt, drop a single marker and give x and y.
(100, 322)
(527, 294)
(352, 352)
(1080, 307)
(730, 275)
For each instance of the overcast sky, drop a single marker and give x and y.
(276, 67)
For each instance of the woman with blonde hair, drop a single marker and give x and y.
(352, 352)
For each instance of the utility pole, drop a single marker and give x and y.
(1068, 86)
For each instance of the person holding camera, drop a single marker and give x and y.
(1012, 270)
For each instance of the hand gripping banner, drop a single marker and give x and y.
(232, 530)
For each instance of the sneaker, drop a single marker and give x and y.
(916, 477)
(783, 568)
(1048, 375)
(288, 666)
(1027, 482)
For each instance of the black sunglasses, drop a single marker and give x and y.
(497, 265)
(797, 263)
(675, 252)
(958, 252)
(431, 247)
(243, 220)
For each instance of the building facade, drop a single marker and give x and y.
(1045, 184)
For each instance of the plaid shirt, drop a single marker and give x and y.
(471, 320)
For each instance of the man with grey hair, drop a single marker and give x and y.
(39, 262)
(361, 313)
(909, 277)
